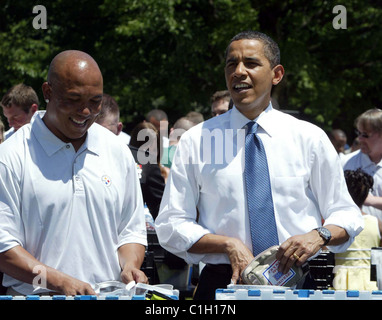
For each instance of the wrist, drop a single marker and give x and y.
(230, 244)
(324, 234)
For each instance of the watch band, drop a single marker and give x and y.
(324, 234)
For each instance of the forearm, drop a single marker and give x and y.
(238, 253)
(339, 235)
(21, 265)
(131, 257)
(373, 201)
(211, 243)
(131, 254)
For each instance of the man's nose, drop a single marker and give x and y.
(240, 69)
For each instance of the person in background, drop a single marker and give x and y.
(338, 139)
(159, 119)
(71, 209)
(109, 117)
(220, 101)
(352, 268)
(180, 126)
(195, 117)
(369, 157)
(224, 208)
(19, 105)
(145, 146)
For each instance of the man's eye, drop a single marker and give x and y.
(72, 100)
(252, 64)
(230, 64)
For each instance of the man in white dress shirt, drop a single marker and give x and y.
(71, 209)
(204, 214)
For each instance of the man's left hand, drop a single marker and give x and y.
(133, 274)
(298, 249)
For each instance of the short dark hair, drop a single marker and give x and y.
(221, 95)
(108, 106)
(359, 184)
(157, 114)
(20, 95)
(271, 49)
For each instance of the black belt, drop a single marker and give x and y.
(219, 268)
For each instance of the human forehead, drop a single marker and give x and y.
(77, 87)
(12, 110)
(220, 103)
(364, 126)
(246, 48)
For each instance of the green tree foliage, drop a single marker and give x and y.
(169, 54)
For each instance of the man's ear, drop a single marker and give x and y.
(46, 90)
(119, 128)
(33, 108)
(278, 74)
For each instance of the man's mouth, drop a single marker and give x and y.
(241, 87)
(79, 122)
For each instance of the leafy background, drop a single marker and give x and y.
(169, 54)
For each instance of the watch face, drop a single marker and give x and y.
(325, 233)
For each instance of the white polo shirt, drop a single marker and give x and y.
(70, 210)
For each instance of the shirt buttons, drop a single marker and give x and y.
(67, 146)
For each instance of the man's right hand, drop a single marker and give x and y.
(20, 264)
(239, 255)
(70, 286)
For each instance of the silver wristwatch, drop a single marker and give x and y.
(325, 234)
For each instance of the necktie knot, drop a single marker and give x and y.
(251, 127)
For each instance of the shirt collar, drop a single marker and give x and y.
(51, 144)
(265, 120)
(366, 161)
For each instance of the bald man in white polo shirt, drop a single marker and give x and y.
(71, 209)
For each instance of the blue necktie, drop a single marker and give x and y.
(259, 195)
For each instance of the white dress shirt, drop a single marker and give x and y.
(124, 137)
(305, 172)
(70, 210)
(9, 133)
(357, 160)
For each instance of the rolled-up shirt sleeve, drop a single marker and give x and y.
(330, 189)
(176, 225)
(11, 225)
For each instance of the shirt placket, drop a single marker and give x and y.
(78, 185)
